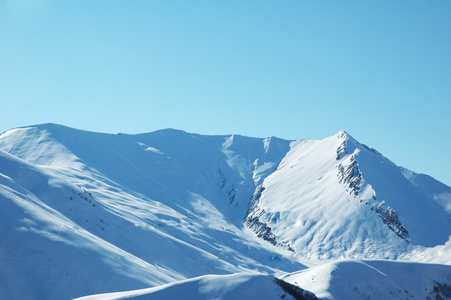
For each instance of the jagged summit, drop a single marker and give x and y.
(342, 134)
(349, 145)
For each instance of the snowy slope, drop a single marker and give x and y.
(122, 212)
(354, 279)
(233, 287)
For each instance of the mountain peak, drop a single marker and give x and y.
(346, 137)
(342, 134)
(349, 145)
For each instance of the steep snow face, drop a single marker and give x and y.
(353, 279)
(338, 198)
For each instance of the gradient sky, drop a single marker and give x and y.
(381, 70)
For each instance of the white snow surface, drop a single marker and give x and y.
(232, 287)
(357, 279)
(86, 213)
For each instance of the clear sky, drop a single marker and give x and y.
(381, 70)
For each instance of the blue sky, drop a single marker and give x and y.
(381, 70)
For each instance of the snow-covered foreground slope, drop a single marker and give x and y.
(354, 279)
(86, 213)
(233, 287)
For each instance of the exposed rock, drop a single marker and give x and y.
(341, 151)
(350, 175)
(441, 291)
(229, 190)
(295, 291)
(261, 228)
(391, 219)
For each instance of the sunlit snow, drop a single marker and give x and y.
(87, 213)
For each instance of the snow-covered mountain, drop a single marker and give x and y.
(85, 213)
(338, 198)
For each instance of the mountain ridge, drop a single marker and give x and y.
(168, 205)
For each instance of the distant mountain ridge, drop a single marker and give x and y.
(149, 209)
